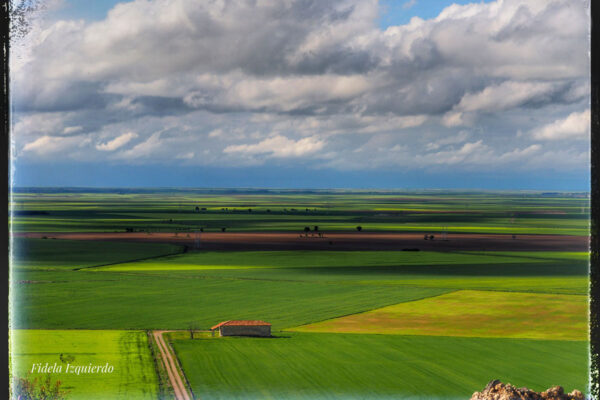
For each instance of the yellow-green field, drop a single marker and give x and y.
(133, 376)
(472, 313)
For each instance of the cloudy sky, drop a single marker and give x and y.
(303, 93)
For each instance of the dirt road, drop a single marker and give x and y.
(239, 241)
(179, 387)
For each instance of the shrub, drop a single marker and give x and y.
(38, 389)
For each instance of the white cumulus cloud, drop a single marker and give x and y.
(49, 145)
(279, 146)
(576, 125)
(117, 142)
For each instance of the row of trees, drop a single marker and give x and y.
(316, 229)
(200, 209)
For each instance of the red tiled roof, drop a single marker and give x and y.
(241, 323)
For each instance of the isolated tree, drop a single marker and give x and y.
(306, 230)
(359, 228)
(22, 14)
(316, 228)
(223, 229)
(197, 209)
(192, 327)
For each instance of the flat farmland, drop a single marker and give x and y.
(302, 287)
(105, 300)
(550, 272)
(351, 366)
(133, 377)
(44, 254)
(470, 313)
(500, 293)
(239, 211)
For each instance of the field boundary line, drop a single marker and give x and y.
(184, 250)
(371, 309)
(491, 253)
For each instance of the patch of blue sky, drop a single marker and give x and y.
(393, 12)
(399, 12)
(89, 10)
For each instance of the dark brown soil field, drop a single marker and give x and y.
(234, 241)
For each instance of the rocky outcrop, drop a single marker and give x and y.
(496, 390)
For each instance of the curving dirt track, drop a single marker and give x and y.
(180, 389)
(238, 241)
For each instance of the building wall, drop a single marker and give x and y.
(243, 330)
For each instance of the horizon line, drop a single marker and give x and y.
(247, 188)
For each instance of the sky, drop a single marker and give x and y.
(303, 94)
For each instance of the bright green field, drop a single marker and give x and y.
(331, 259)
(348, 366)
(134, 376)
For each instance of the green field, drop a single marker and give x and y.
(383, 324)
(562, 272)
(306, 287)
(133, 375)
(46, 254)
(347, 366)
(118, 301)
